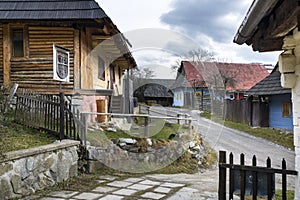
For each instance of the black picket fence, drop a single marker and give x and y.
(51, 113)
(252, 180)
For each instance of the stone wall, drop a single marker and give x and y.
(26, 171)
(128, 156)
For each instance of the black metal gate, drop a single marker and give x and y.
(250, 180)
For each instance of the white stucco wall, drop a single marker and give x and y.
(289, 66)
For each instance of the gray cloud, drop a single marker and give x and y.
(209, 17)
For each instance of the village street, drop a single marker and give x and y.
(222, 138)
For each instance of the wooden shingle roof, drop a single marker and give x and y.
(50, 9)
(269, 86)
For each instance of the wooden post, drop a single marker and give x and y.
(178, 120)
(284, 182)
(83, 119)
(222, 175)
(62, 115)
(243, 177)
(146, 132)
(254, 180)
(6, 54)
(231, 177)
(269, 180)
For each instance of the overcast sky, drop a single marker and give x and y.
(210, 24)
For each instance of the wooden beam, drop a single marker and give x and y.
(271, 30)
(285, 19)
(6, 54)
(77, 52)
(263, 45)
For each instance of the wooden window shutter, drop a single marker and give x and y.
(286, 109)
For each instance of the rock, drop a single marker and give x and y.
(149, 141)
(122, 144)
(192, 144)
(6, 189)
(112, 129)
(5, 168)
(127, 140)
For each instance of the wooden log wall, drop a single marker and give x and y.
(1, 54)
(36, 71)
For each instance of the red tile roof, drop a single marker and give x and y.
(240, 77)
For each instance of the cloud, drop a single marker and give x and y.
(218, 19)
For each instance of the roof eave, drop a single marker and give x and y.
(258, 10)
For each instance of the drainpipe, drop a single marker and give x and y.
(258, 10)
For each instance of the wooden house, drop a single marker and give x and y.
(154, 91)
(272, 102)
(29, 31)
(274, 26)
(201, 78)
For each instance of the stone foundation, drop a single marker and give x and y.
(26, 171)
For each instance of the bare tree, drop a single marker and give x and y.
(196, 55)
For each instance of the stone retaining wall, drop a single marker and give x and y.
(25, 171)
(132, 160)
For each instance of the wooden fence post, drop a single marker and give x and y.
(243, 177)
(222, 175)
(146, 131)
(269, 180)
(254, 180)
(284, 180)
(231, 177)
(62, 115)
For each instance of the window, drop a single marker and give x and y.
(286, 109)
(17, 43)
(101, 69)
(112, 74)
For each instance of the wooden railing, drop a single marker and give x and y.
(250, 180)
(52, 113)
(84, 117)
(178, 115)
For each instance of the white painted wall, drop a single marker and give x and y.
(289, 66)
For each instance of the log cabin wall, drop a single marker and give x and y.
(35, 71)
(1, 54)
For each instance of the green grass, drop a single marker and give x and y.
(270, 134)
(15, 137)
(278, 196)
(163, 133)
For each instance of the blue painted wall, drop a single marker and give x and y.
(178, 98)
(276, 119)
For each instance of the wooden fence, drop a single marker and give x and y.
(253, 113)
(52, 113)
(250, 180)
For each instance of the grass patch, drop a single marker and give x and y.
(270, 134)
(15, 137)
(163, 134)
(278, 195)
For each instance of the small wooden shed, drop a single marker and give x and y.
(30, 29)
